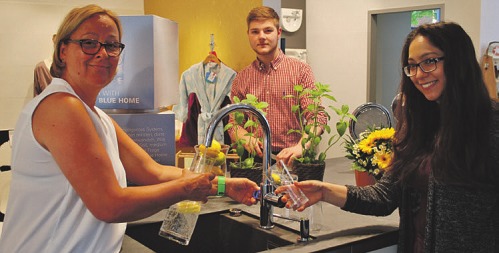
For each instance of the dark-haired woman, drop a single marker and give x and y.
(444, 173)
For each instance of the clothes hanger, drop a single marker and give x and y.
(212, 56)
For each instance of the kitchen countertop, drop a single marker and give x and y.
(339, 229)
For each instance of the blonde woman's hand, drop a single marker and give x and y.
(197, 186)
(241, 190)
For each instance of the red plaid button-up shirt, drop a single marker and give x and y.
(271, 85)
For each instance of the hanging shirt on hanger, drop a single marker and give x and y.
(211, 82)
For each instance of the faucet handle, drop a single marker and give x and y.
(304, 230)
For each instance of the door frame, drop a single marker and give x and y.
(371, 40)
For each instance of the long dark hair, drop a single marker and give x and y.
(454, 131)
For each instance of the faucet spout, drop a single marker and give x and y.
(266, 212)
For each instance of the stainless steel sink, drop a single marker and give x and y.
(218, 232)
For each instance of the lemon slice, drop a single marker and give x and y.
(276, 178)
(202, 148)
(189, 207)
(220, 158)
(216, 145)
(212, 152)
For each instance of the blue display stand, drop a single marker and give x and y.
(155, 133)
(147, 77)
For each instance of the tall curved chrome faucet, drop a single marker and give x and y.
(266, 211)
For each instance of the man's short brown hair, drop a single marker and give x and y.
(263, 13)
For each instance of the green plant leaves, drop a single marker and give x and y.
(241, 121)
(310, 131)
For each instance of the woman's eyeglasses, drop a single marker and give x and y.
(426, 66)
(92, 47)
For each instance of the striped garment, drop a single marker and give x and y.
(270, 85)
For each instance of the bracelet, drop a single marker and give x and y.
(221, 186)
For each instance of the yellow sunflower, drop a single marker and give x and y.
(373, 152)
(383, 159)
(366, 145)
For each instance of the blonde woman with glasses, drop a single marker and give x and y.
(71, 161)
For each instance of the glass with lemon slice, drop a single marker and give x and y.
(210, 159)
(180, 219)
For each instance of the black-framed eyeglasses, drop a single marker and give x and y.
(426, 66)
(92, 47)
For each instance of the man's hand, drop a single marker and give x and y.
(288, 155)
(253, 145)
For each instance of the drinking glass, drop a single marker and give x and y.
(281, 176)
(315, 217)
(208, 160)
(294, 193)
(180, 219)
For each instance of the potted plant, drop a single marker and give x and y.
(371, 154)
(245, 167)
(312, 163)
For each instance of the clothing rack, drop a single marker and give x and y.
(212, 56)
(212, 42)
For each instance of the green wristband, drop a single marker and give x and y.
(221, 186)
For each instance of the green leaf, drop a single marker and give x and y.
(352, 117)
(298, 88)
(248, 163)
(317, 140)
(306, 160)
(262, 105)
(240, 150)
(341, 127)
(336, 110)
(307, 129)
(344, 109)
(330, 97)
(228, 126)
(239, 117)
(299, 159)
(327, 128)
(304, 141)
(249, 123)
(251, 97)
(322, 157)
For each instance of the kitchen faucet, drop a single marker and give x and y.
(267, 189)
(267, 197)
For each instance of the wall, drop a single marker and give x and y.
(296, 39)
(336, 38)
(226, 19)
(337, 41)
(26, 29)
(489, 28)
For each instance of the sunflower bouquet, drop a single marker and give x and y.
(372, 152)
